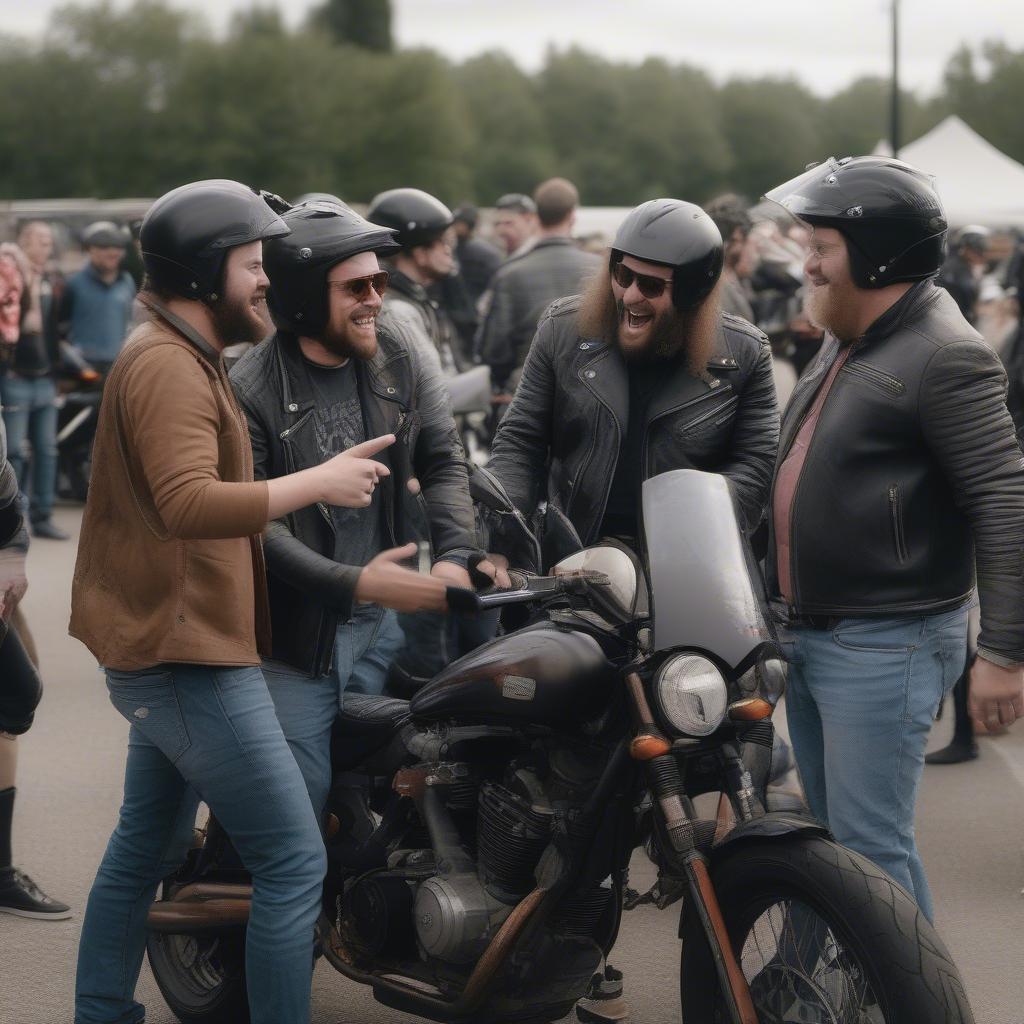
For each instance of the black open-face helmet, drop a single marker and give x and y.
(187, 233)
(321, 235)
(675, 234)
(417, 217)
(888, 211)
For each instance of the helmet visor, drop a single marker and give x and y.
(815, 193)
(872, 188)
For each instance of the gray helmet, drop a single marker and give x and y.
(186, 234)
(675, 234)
(105, 234)
(322, 235)
(974, 237)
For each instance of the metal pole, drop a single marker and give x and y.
(894, 124)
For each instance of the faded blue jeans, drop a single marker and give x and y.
(363, 649)
(860, 703)
(30, 415)
(210, 731)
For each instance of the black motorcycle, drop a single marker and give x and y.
(80, 391)
(479, 835)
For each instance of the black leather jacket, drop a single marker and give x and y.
(563, 432)
(401, 393)
(913, 472)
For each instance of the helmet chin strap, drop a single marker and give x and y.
(182, 326)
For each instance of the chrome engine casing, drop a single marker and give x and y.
(456, 917)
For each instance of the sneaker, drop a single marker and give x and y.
(47, 529)
(20, 896)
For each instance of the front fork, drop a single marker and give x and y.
(666, 783)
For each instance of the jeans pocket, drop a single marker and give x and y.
(148, 701)
(953, 652)
(881, 635)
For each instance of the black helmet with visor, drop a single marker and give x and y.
(888, 211)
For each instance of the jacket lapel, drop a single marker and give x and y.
(603, 373)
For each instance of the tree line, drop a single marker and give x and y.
(130, 102)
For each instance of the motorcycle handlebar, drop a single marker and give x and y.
(526, 589)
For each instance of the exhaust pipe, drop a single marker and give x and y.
(202, 907)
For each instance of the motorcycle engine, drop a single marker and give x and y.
(456, 915)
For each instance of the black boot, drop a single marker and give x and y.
(963, 746)
(19, 895)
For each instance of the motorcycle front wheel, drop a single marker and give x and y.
(201, 976)
(822, 936)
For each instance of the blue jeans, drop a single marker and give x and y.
(860, 703)
(209, 731)
(30, 415)
(307, 708)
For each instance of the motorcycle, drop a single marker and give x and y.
(479, 835)
(80, 391)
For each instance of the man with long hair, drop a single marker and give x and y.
(640, 375)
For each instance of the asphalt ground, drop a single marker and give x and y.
(970, 827)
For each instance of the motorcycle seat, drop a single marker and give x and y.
(365, 714)
(365, 724)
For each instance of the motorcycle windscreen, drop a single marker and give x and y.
(703, 589)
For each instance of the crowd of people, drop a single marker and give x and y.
(260, 494)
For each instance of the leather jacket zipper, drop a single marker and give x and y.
(896, 515)
(586, 465)
(713, 393)
(875, 376)
(284, 435)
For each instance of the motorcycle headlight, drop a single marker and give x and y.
(692, 694)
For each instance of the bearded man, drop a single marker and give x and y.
(331, 377)
(640, 375)
(898, 469)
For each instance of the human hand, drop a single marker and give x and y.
(452, 575)
(995, 694)
(13, 582)
(496, 566)
(385, 582)
(350, 478)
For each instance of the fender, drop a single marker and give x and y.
(772, 825)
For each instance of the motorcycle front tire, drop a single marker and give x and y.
(911, 973)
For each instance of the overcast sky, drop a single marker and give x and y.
(826, 43)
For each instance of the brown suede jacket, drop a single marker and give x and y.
(170, 567)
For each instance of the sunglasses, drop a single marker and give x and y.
(360, 287)
(650, 287)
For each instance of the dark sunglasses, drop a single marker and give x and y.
(359, 287)
(650, 287)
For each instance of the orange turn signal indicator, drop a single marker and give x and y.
(750, 709)
(646, 747)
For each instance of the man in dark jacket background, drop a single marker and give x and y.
(641, 375)
(330, 378)
(898, 468)
(525, 286)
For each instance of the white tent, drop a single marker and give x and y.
(978, 184)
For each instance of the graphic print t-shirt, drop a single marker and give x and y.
(338, 425)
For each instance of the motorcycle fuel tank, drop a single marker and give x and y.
(539, 674)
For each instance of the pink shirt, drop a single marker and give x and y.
(789, 476)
